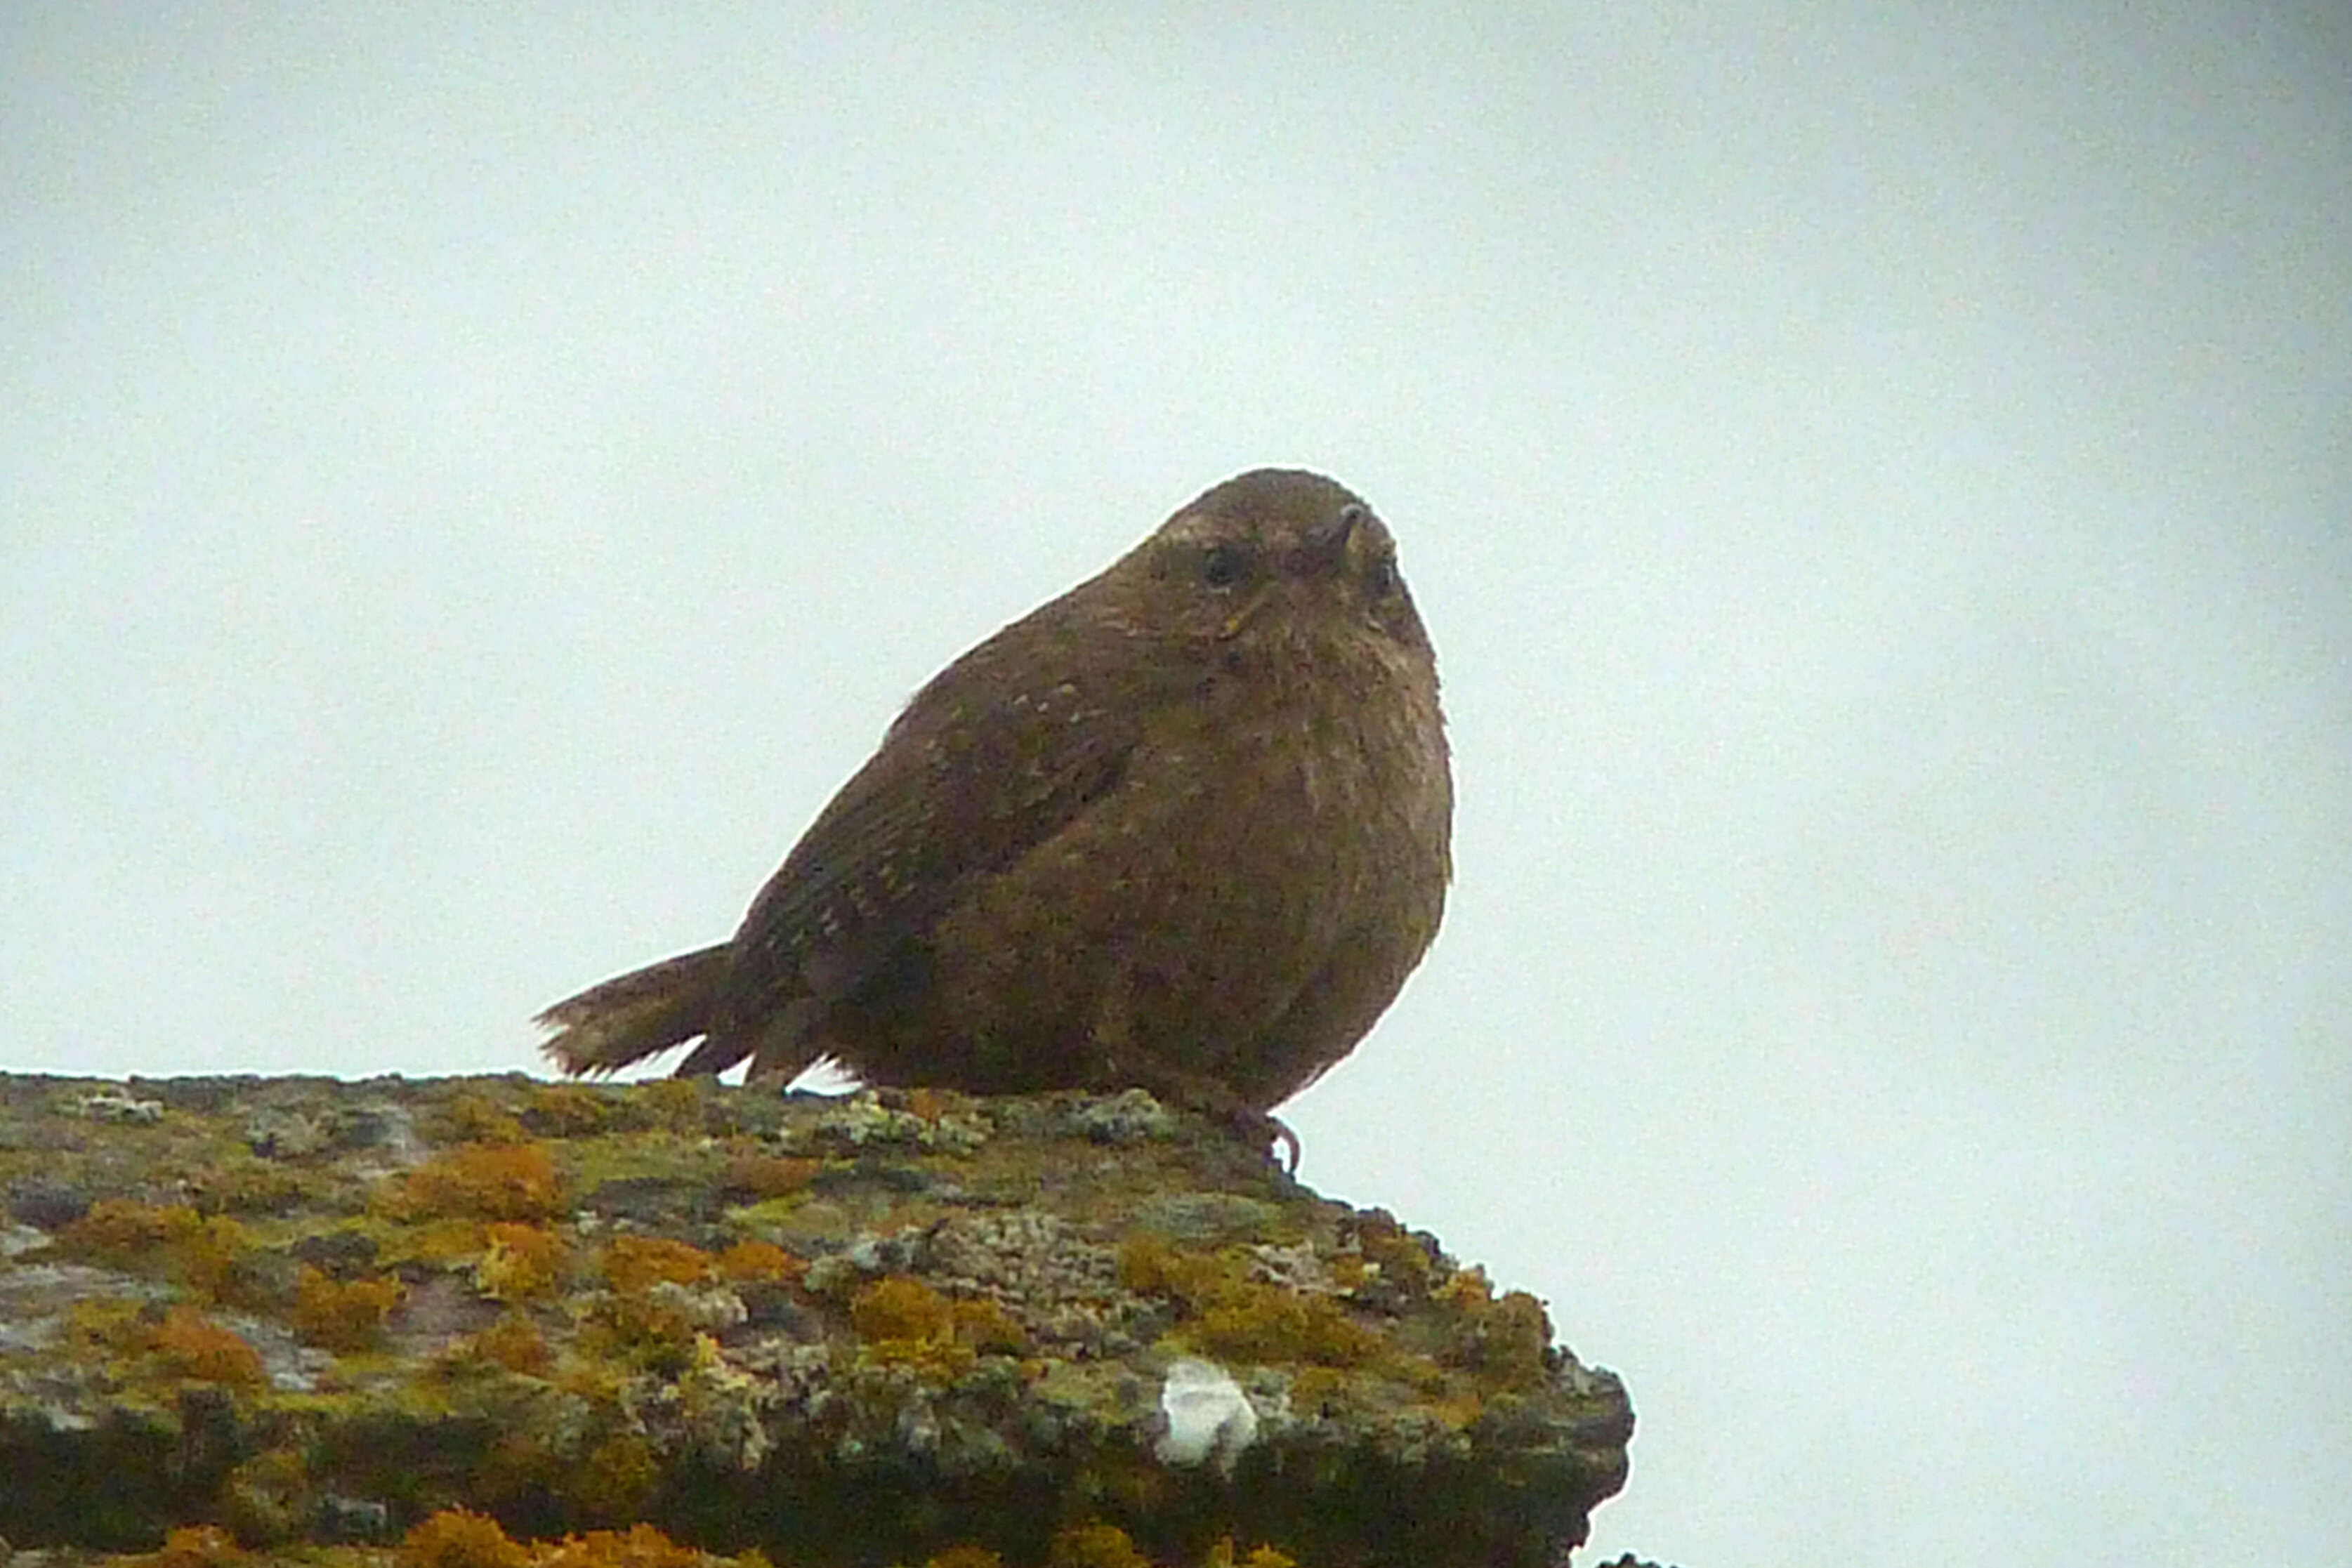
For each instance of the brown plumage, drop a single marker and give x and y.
(1185, 827)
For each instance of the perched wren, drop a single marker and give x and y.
(1186, 827)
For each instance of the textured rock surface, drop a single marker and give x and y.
(882, 1329)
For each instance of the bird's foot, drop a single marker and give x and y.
(1204, 1095)
(1265, 1128)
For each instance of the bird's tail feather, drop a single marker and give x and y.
(630, 1017)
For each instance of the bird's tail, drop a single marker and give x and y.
(632, 1015)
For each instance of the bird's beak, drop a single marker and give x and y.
(1326, 544)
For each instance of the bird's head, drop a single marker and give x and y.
(1275, 557)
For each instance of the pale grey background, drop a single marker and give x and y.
(471, 487)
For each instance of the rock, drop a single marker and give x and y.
(899, 1327)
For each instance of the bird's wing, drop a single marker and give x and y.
(982, 765)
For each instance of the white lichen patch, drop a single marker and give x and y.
(1208, 1416)
(113, 1105)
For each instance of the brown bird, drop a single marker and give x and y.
(1186, 827)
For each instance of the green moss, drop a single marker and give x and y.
(575, 1110)
(236, 1183)
(765, 1176)
(430, 1245)
(677, 1105)
(473, 1117)
(1402, 1258)
(1505, 1342)
(615, 1478)
(268, 1499)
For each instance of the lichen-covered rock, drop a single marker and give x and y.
(302, 1313)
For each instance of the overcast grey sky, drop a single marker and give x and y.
(1879, 479)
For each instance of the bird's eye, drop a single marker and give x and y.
(1222, 566)
(1382, 579)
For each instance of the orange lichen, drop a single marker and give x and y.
(186, 1344)
(206, 1257)
(1252, 1322)
(930, 1104)
(520, 1260)
(768, 1176)
(456, 1538)
(514, 1342)
(905, 1322)
(761, 1263)
(196, 1546)
(898, 1307)
(481, 1181)
(987, 1327)
(1149, 1266)
(343, 1314)
(174, 1241)
(641, 1318)
(1465, 1287)
(122, 1232)
(639, 1546)
(1233, 1316)
(1096, 1546)
(634, 1264)
(1221, 1556)
(965, 1556)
